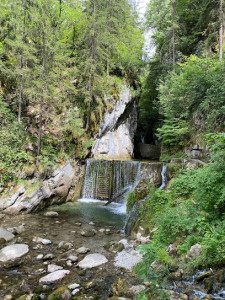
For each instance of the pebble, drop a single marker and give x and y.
(49, 256)
(51, 214)
(77, 224)
(92, 223)
(74, 292)
(82, 250)
(40, 240)
(73, 258)
(40, 256)
(73, 286)
(69, 263)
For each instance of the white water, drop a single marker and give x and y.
(164, 178)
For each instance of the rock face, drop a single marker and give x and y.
(116, 134)
(151, 172)
(149, 151)
(12, 252)
(92, 260)
(51, 191)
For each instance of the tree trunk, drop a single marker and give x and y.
(221, 31)
(173, 35)
(20, 102)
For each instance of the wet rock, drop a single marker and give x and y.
(88, 232)
(51, 214)
(208, 284)
(65, 245)
(62, 293)
(82, 250)
(203, 276)
(92, 260)
(54, 277)
(6, 235)
(13, 252)
(42, 241)
(53, 268)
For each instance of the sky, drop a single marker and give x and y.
(148, 48)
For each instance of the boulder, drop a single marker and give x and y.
(13, 252)
(151, 172)
(53, 268)
(92, 260)
(54, 277)
(127, 259)
(195, 251)
(61, 293)
(51, 191)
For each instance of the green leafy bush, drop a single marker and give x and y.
(184, 184)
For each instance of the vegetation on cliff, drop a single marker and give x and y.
(60, 62)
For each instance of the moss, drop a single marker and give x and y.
(85, 297)
(32, 187)
(60, 294)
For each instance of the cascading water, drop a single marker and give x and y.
(107, 180)
(164, 177)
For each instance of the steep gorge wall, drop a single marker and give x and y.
(116, 134)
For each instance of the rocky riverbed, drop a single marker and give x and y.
(65, 249)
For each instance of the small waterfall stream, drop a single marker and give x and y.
(164, 177)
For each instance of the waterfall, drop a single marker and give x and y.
(164, 177)
(106, 180)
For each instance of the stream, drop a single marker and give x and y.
(72, 220)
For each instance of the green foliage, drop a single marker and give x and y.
(154, 204)
(12, 140)
(193, 95)
(209, 193)
(185, 183)
(131, 200)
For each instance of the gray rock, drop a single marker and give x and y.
(88, 232)
(12, 252)
(53, 268)
(40, 240)
(54, 277)
(116, 133)
(51, 214)
(82, 250)
(65, 245)
(73, 258)
(92, 260)
(195, 251)
(73, 286)
(127, 259)
(75, 291)
(6, 235)
(58, 186)
(49, 256)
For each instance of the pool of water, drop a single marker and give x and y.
(89, 210)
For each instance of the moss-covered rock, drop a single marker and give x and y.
(62, 293)
(42, 289)
(85, 297)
